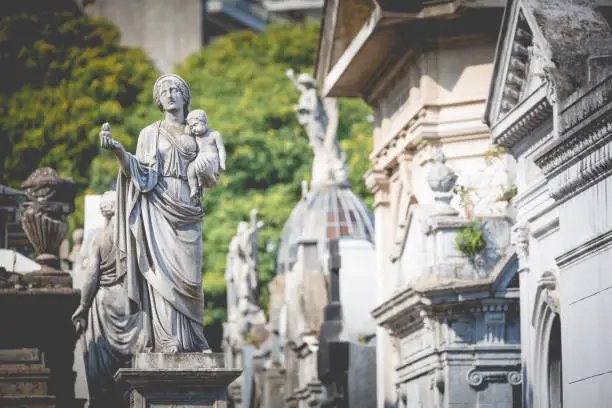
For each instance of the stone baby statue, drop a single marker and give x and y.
(203, 171)
(110, 336)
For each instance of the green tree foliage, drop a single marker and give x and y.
(68, 74)
(240, 81)
(75, 76)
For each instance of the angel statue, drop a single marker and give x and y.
(320, 119)
(159, 221)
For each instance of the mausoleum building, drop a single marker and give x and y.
(447, 304)
(549, 106)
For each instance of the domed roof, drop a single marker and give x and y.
(324, 213)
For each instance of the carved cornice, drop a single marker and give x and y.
(520, 127)
(402, 313)
(584, 103)
(576, 144)
(582, 155)
(568, 181)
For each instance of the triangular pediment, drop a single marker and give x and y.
(541, 41)
(519, 61)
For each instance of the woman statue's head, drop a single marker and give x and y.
(167, 91)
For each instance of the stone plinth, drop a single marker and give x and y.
(36, 347)
(166, 380)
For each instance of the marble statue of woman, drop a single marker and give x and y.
(110, 336)
(159, 230)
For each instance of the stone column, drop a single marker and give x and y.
(378, 183)
(164, 380)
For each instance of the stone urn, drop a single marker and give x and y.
(50, 199)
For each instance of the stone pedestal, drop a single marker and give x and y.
(163, 380)
(36, 347)
(273, 387)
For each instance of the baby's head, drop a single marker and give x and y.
(197, 122)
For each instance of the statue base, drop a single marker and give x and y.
(164, 380)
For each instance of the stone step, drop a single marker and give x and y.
(24, 381)
(22, 401)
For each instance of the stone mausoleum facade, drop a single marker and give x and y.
(519, 318)
(447, 313)
(549, 106)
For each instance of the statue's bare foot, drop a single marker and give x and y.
(207, 351)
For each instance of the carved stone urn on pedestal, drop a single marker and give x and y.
(50, 201)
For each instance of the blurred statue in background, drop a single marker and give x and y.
(242, 279)
(320, 119)
(248, 278)
(110, 336)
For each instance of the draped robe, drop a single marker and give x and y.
(112, 336)
(159, 242)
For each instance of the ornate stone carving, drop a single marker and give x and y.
(525, 124)
(515, 378)
(520, 241)
(478, 375)
(475, 378)
(594, 131)
(582, 157)
(547, 286)
(50, 201)
(441, 179)
(516, 75)
(495, 323)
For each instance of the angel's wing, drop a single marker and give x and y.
(221, 150)
(331, 109)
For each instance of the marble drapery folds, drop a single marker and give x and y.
(159, 243)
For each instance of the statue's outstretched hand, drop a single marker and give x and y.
(290, 73)
(106, 139)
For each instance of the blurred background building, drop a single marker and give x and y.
(171, 30)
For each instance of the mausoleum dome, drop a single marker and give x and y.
(324, 213)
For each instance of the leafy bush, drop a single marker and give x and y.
(71, 75)
(470, 239)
